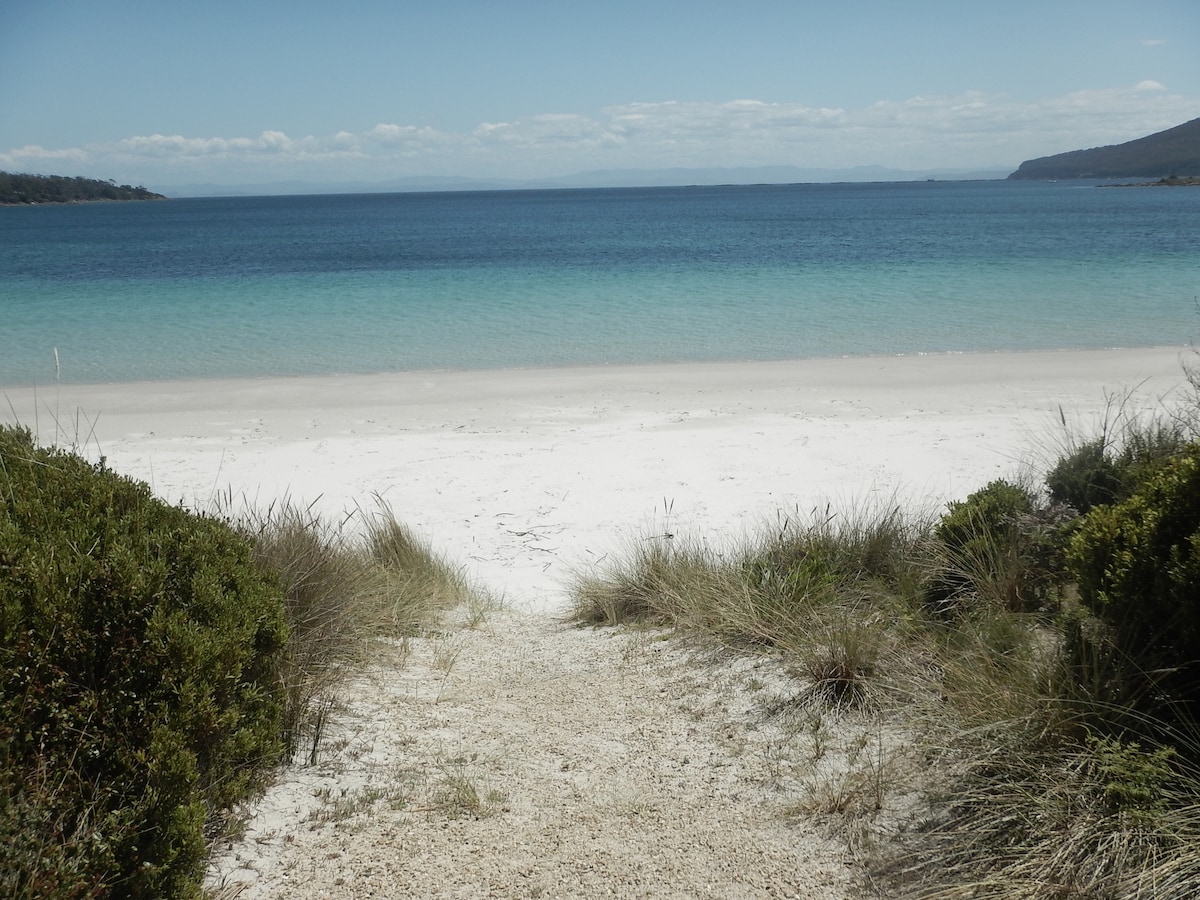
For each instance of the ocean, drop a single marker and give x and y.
(316, 285)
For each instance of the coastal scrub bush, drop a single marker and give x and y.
(1137, 565)
(139, 656)
(986, 515)
(1085, 476)
(999, 547)
(1105, 470)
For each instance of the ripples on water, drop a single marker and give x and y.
(383, 282)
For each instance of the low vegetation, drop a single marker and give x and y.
(155, 663)
(1024, 668)
(1034, 653)
(20, 190)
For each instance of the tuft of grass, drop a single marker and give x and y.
(658, 575)
(841, 659)
(346, 583)
(458, 795)
(1093, 818)
(419, 585)
(330, 592)
(830, 591)
(350, 804)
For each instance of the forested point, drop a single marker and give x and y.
(1172, 155)
(18, 189)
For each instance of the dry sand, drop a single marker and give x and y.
(524, 758)
(522, 475)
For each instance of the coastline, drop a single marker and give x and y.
(523, 476)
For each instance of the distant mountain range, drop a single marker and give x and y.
(600, 178)
(1175, 151)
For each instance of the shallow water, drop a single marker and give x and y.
(387, 282)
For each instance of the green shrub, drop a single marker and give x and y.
(1133, 780)
(139, 654)
(987, 515)
(1107, 470)
(1085, 477)
(1138, 569)
(998, 547)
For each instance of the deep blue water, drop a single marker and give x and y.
(386, 282)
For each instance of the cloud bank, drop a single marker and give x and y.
(965, 131)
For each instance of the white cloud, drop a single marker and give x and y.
(29, 157)
(1153, 42)
(966, 130)
(409, 136)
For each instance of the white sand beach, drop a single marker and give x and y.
(528, 758)
(523, 474)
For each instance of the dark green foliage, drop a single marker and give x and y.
(1085, 477)
(1138, 569)
(1132, 780)
(139, 654)
(26, 189)
(986, 515)
(1096, 473)
(998, 547)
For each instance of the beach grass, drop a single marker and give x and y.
(1043, 768)
(348, 585)
(829, 590)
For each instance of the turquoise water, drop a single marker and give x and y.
(367, 283)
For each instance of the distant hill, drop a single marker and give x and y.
(1175, 151)
(17, 189)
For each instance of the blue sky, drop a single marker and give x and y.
(167, 92)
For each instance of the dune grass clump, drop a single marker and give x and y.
(838, 587)
(654, 583)
(418, 584)
(346, 584)
(1032, 815)
(823, 591)
(329, 593)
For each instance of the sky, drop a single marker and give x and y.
(165, 93)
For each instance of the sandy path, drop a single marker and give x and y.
(619, 769)
(527, 758)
